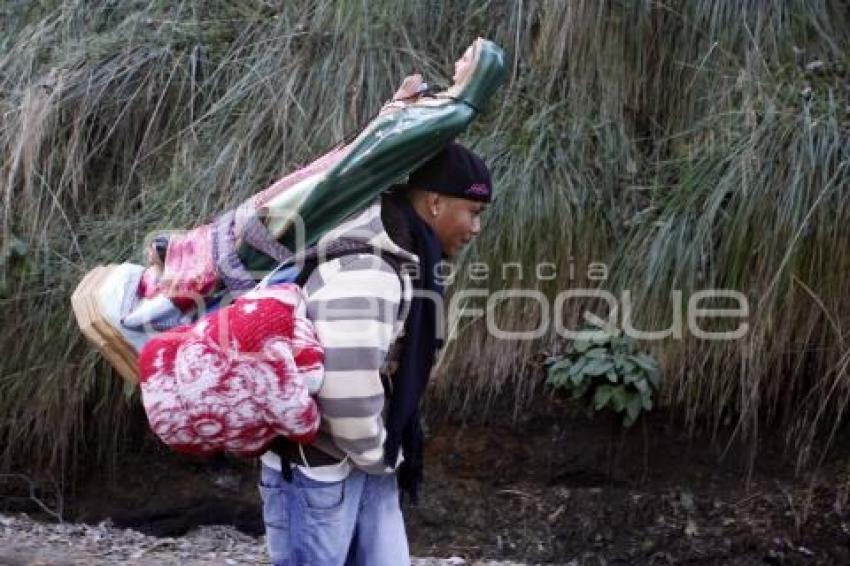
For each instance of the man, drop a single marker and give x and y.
(373, 317)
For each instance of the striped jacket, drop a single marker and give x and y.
(358, 304)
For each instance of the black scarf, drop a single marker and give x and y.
(404, 427)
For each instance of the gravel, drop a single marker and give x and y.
(24, 541)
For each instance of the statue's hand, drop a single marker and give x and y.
(408, 92)
(409, 88)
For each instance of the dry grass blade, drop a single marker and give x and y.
(686, 144)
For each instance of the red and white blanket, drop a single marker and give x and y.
(237, 378)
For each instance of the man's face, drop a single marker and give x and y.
(456, 222)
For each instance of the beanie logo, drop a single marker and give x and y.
(479, 189)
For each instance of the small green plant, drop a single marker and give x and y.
(609, 371)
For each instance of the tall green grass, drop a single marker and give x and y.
(685, 144)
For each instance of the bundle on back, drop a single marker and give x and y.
(120, 307)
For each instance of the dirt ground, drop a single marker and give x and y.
(27, 542)
(556, 488)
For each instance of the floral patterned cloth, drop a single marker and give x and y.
(237, 378)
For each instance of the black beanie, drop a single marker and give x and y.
(456, 172)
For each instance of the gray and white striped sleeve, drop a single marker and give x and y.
(354, 303)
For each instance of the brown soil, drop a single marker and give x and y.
(556, 488)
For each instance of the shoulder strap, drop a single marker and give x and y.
(312, 262)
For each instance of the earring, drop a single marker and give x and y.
(433, 212)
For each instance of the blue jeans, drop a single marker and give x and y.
(354, 521)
